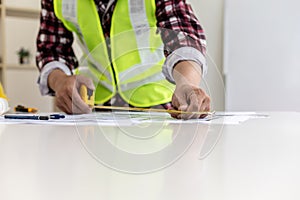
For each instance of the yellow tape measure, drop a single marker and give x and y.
(87, 95)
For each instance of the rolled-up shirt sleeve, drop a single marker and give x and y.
(181, 54)
(47, 69)
(182, 34)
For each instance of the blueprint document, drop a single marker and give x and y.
(132, 118)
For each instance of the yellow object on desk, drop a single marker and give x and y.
(88, 96)
(151, 110)
(2, 93)
(24, 109)
(4, 107)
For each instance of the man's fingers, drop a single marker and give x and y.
(72, 105)
(82, 80)
(178, 103)
(205, 106)
(79, 106)
(64, 103)
(206, 109)
(198, 102)
(67, 94)
(194, 99)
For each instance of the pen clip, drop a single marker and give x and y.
(56, 116)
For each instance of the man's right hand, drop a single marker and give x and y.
(66, 90)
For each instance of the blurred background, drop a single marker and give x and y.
(253, 47)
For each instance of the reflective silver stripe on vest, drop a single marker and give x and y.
(141, 67)
(86, 71)
(69, 12)
(93, 62)
(141, 27)
(151, 79)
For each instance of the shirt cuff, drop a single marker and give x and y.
(47, 69)
(181, 54)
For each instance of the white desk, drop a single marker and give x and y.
(258, 159)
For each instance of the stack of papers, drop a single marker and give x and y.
(132, 118)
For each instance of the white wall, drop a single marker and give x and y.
(21, 80)
(20, 32)
(22, 89)
(210, 15)
(262, 49)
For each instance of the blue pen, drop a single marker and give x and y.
(32, 117)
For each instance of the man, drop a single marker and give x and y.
(123, 58)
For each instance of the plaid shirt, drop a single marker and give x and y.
(54, 41)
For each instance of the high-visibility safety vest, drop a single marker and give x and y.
(133, 67)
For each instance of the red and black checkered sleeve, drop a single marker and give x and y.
(179, 26)
(54, 41)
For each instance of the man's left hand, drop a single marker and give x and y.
(190, 99)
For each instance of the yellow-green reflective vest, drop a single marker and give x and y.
(136, 51)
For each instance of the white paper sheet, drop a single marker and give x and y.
(131, 118)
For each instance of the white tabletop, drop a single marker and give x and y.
(257, 159)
